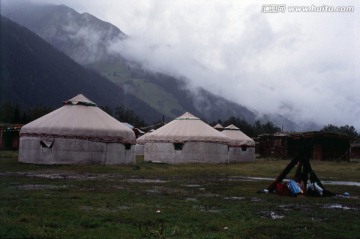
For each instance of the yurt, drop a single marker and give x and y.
(77, 133)
(140, 142)
(241, 146)
(186, 139)
(139, 147)
(219, 127)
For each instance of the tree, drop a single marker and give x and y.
(10, 113)
(349, 130)
(129, 116)
(108, 110)
(346, 129)
(252, 130)
(36, 112)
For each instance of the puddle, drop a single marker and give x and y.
(38, 187)
(138, 180)
(103, 209)
(344, 183)
(339, 206)
(206, 209)
(234, 198)
(50, 175)
(87, 176)
(191, 200)
(193, 185)
(208, 195)
(211, 210)
(164, 190)
(272, 215)
(255, 199)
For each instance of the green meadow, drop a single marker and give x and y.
(150, 200)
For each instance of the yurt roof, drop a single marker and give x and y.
(219, 127)
(237, 137)
(80, 118)
(185, 128)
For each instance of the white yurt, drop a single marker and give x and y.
(139, 147)
(219, 127)
(77, 133)
(241, 146)
(186, 139)
(140, 143)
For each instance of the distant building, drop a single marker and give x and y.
(325, 145)
(273, 145)
(9, 136)
(355, 151)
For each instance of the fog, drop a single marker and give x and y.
(302, 65)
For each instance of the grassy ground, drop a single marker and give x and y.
(170, 201)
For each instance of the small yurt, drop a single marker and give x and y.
(77, 133)
(186, 139)
(241, 146)
(139, 147)
(219, 127)
(140, 142)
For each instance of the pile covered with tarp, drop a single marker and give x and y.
(305, 182)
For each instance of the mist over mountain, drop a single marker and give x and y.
(91, 42)
(34, 73)
(83, 37)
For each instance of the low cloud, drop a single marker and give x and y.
(305, 66)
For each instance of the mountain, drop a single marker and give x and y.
(85, 39)
(34, 73)
(199, 101)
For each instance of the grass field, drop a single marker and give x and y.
(170, 201)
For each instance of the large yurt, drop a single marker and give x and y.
(77, 133)
(241, 146)
(186, 139)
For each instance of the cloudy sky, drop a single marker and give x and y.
(303, 65)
